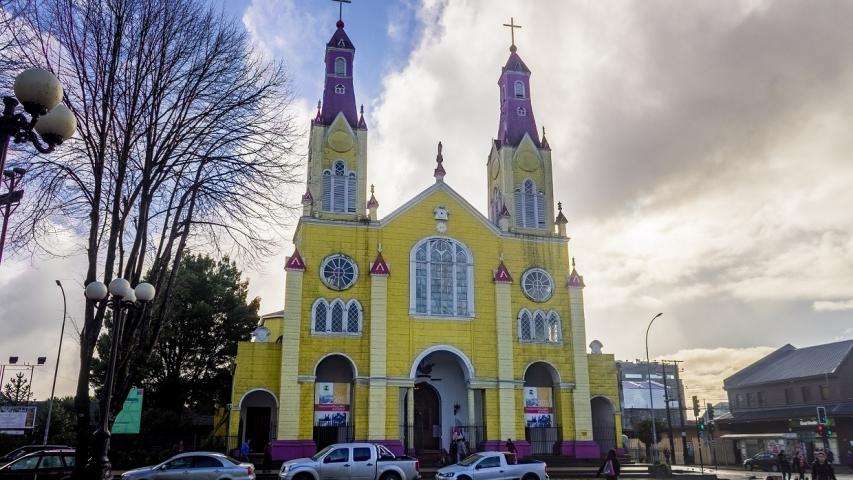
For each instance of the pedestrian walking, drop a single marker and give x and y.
(510, 447)
(666, 454)
(784, 465)
(822, 469)
(268, 456)
(610, 467)
(244, 451)
(800, 466)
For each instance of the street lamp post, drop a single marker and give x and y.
(123, 298)
(56, 368)
(651, 397)
(50, 122)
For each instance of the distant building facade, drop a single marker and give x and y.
(774, 402)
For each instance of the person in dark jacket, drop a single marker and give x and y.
(800, 466)
(610, 467)
(784, 465)
(822, 469)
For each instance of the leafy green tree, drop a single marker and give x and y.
(62, 422)
(191, 364)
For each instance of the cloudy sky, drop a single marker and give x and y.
(701, 152)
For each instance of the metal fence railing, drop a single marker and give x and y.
(543, 440)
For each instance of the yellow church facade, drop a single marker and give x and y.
(435, 320)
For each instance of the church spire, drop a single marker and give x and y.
(516, 111)
(338, 95)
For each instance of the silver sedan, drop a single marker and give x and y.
(195, 466)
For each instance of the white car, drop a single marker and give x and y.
(494, 466)
(195, 466)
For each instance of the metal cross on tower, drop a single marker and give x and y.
(341, 8)
(512, 26)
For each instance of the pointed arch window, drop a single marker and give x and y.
(336, 317)
(340, 66)
(519, 89)
(339, 189)
(539, 327)
(529, 206)
(339, 89)
(442, 273)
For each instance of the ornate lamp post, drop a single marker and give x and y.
(123, 298)
(50, 122)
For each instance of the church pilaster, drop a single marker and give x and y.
(377, 402)
(504, 331)
(288, 397)
(583, 445)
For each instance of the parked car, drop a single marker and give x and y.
(354, 461)
(21, 451)
(494, 466)
(43, 465)
(762, 461)
(195, 466)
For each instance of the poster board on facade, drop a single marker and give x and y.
(16, 419)
(538, 407)
(331, 404)
(130, 416)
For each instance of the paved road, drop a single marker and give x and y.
(841, 473)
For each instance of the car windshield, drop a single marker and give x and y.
(470, 460)
(321, 453)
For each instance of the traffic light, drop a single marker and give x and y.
(827, 432)
(710, 412)
(821, 430)
(695, 406)
(700, 425)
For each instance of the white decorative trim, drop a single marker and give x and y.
(351, 362)
(555, 374)
(258, 389)
(421, 316)
(469, 366)
(306, 379)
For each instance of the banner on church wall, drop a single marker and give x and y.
(331, 404)
(538, 407)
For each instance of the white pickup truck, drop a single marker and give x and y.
(351, 461)
(494, 466)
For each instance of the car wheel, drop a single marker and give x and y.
(303, 476)
(774, 468)
(390, 476)
(464, 477)
(530, 476)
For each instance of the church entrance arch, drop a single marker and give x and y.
(540, 415)
(258, 410)
(333, 400)
(603, 423)
(441, 376)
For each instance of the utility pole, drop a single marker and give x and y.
(699, 442)
(668, 414)
(679, 391)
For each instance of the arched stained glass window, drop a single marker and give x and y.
(525, 328)
(353, 313)
(320, 316)
(539, 326)
(340, 66)
(335, 318)
(442, 272)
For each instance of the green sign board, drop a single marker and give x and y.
(129, 417)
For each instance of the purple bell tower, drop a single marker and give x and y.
(338, 94)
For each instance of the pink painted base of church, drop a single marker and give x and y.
(522, 447)
(580, 449)
(284, 450)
